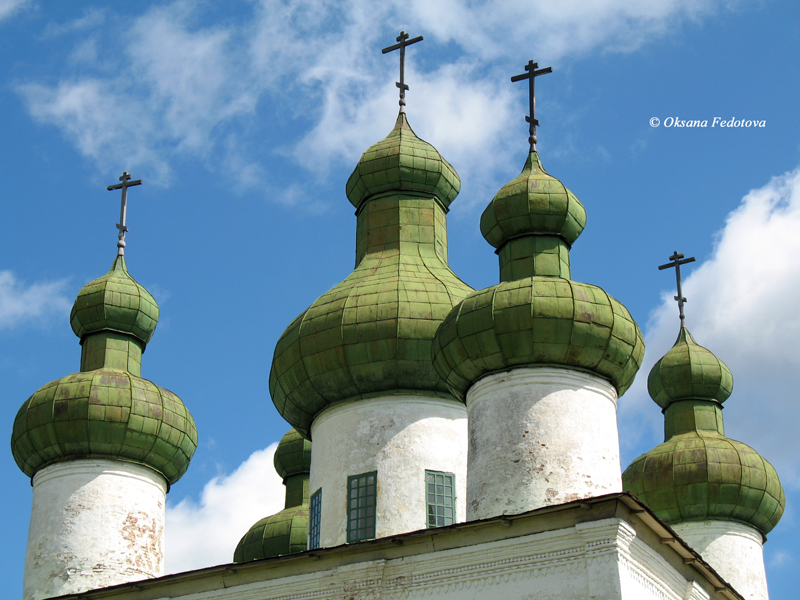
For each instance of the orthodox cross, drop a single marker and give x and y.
(677, 261)
(404, 41)
(123, 209)
(531, 74)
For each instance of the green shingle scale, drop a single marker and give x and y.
(537, 321)
(283, 533)
(402, 162)
(702, 475)
(115, 302)
(104, 413)
(689, 371)
(533, 203)
(293, 455)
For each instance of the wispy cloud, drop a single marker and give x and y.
(204, 532)
(22, 303)
(9, 7)
(743, 307)
(91, 18)
(172, 87)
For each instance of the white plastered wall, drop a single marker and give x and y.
(734, 550)
(400, 437)
(540, 436)
(94, 523)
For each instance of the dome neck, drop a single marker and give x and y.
(112, 350)
(296, 490)
(534, 255)
(403, 223)
(687, 416)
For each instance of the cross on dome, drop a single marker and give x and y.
(404, 41)
(531, 74)
(677, 261)
(123, 210)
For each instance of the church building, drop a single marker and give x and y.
(445, 442)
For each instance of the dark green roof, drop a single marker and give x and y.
(689, 371)
(293, 455)
(283, 533)
(533, 203)
(701, 475)
(104, 413)
(402, 162)
(538, 321)
(115, 302)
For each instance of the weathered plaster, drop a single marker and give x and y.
(399, 436)
(735, 550)
(94, 523)
(540, 436)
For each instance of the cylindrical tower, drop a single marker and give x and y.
(539, 359)
(718, 494)
(353, 372)
(102, 447)
(285, 532)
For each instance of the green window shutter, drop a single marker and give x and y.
(313, 519)
(361, 500)
(441, 500)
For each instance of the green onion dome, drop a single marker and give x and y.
(285, 532)
(537, 315)
(402, 162)
(107, 410)
(115, 302)
(698, 474)
(372, 334)
(293, 455)
(689, 371)
(533, 203)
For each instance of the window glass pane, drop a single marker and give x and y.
(361, 507)
(440, 497)
(315, 507)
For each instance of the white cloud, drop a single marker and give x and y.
(743, 306)
(91, 18)
(37, 302)
(9, 7)
(181, 89)
(205, 532)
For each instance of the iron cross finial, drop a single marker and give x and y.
(531, 74)
(123, 210)
(677, 261)
(404, 41)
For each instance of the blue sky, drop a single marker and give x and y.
(244, 120)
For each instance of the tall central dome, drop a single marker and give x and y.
(372, 333)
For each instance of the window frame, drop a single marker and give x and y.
(314, 519)
(369, 508)
(436, 505)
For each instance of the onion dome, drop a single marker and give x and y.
(537, 315)
(698, 474)
(285, 532)
(402, 162)
(371, 334)
(107, 410)
(115, 302)
(689, 371)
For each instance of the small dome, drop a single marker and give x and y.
(293, 455)
(533, 203)
(689, 372)
(402, 162)
(115, 302)
(283, 533)
(538, 321)
(104, 413)
(697, 476)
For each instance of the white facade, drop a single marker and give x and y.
(400, 437)
(94, 523)
(540, 436)
(735, 550)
